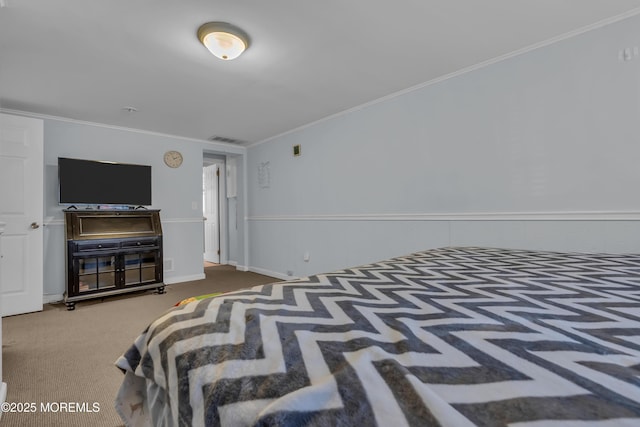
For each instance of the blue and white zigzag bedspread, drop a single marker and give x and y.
(449, 337)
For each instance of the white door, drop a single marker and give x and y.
(210, 187)
(3, 386)
(21, 208)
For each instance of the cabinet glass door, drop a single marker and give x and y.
(139, 268)
(148, 267)
(95, 273)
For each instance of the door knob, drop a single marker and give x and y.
(35, 225)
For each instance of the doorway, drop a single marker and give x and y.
(214, 210)
(211, 212)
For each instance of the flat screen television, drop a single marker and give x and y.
(91, 182)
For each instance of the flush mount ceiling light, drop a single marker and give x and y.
(223, 40)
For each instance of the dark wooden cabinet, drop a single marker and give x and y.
(112, 252)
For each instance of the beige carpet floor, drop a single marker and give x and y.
(55, 356)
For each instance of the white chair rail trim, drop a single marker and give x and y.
(458, 216)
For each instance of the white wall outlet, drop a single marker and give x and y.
(306, 257)
(628, 53)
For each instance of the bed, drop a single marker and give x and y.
(445, 337)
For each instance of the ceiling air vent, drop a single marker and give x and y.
(217, 138)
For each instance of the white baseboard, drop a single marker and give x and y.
(271, 273)
(181, 279)
(48, 299)
(53, 298)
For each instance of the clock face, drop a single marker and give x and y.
(173, 159)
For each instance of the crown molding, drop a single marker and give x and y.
(221, 146)
(483, 64)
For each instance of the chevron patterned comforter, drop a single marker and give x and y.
(445, 337)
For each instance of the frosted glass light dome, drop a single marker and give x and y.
(223, 40)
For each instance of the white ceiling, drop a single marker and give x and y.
(86, 60)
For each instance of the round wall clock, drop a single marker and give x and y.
(173, 159)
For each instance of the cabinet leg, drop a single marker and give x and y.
(160, 289)
(71, 306)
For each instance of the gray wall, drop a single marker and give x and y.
(537, 151)
(174, 191)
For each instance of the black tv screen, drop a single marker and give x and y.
(95, 182)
